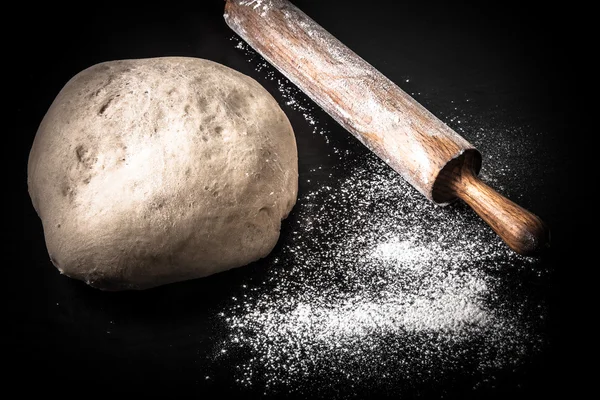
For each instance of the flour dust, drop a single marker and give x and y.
(375, 287)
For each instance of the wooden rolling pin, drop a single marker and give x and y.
(422, 149)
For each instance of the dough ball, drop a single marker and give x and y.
(151, 171)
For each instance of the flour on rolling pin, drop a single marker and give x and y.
(427, 153)
(371, 112)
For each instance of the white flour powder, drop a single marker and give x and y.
(375, 285)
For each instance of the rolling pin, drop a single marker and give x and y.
(427, 153)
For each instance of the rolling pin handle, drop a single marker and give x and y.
(521, 230)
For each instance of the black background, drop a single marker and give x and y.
(505, 56)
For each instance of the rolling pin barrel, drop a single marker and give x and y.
(427, 153)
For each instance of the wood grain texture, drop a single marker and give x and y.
(521, 230)
(376, 111)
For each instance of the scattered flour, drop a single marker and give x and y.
(375, 287)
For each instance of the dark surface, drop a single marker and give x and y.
(70, 337)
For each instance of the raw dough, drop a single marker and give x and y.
(151, 171)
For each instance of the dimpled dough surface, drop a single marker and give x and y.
(151, 171)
